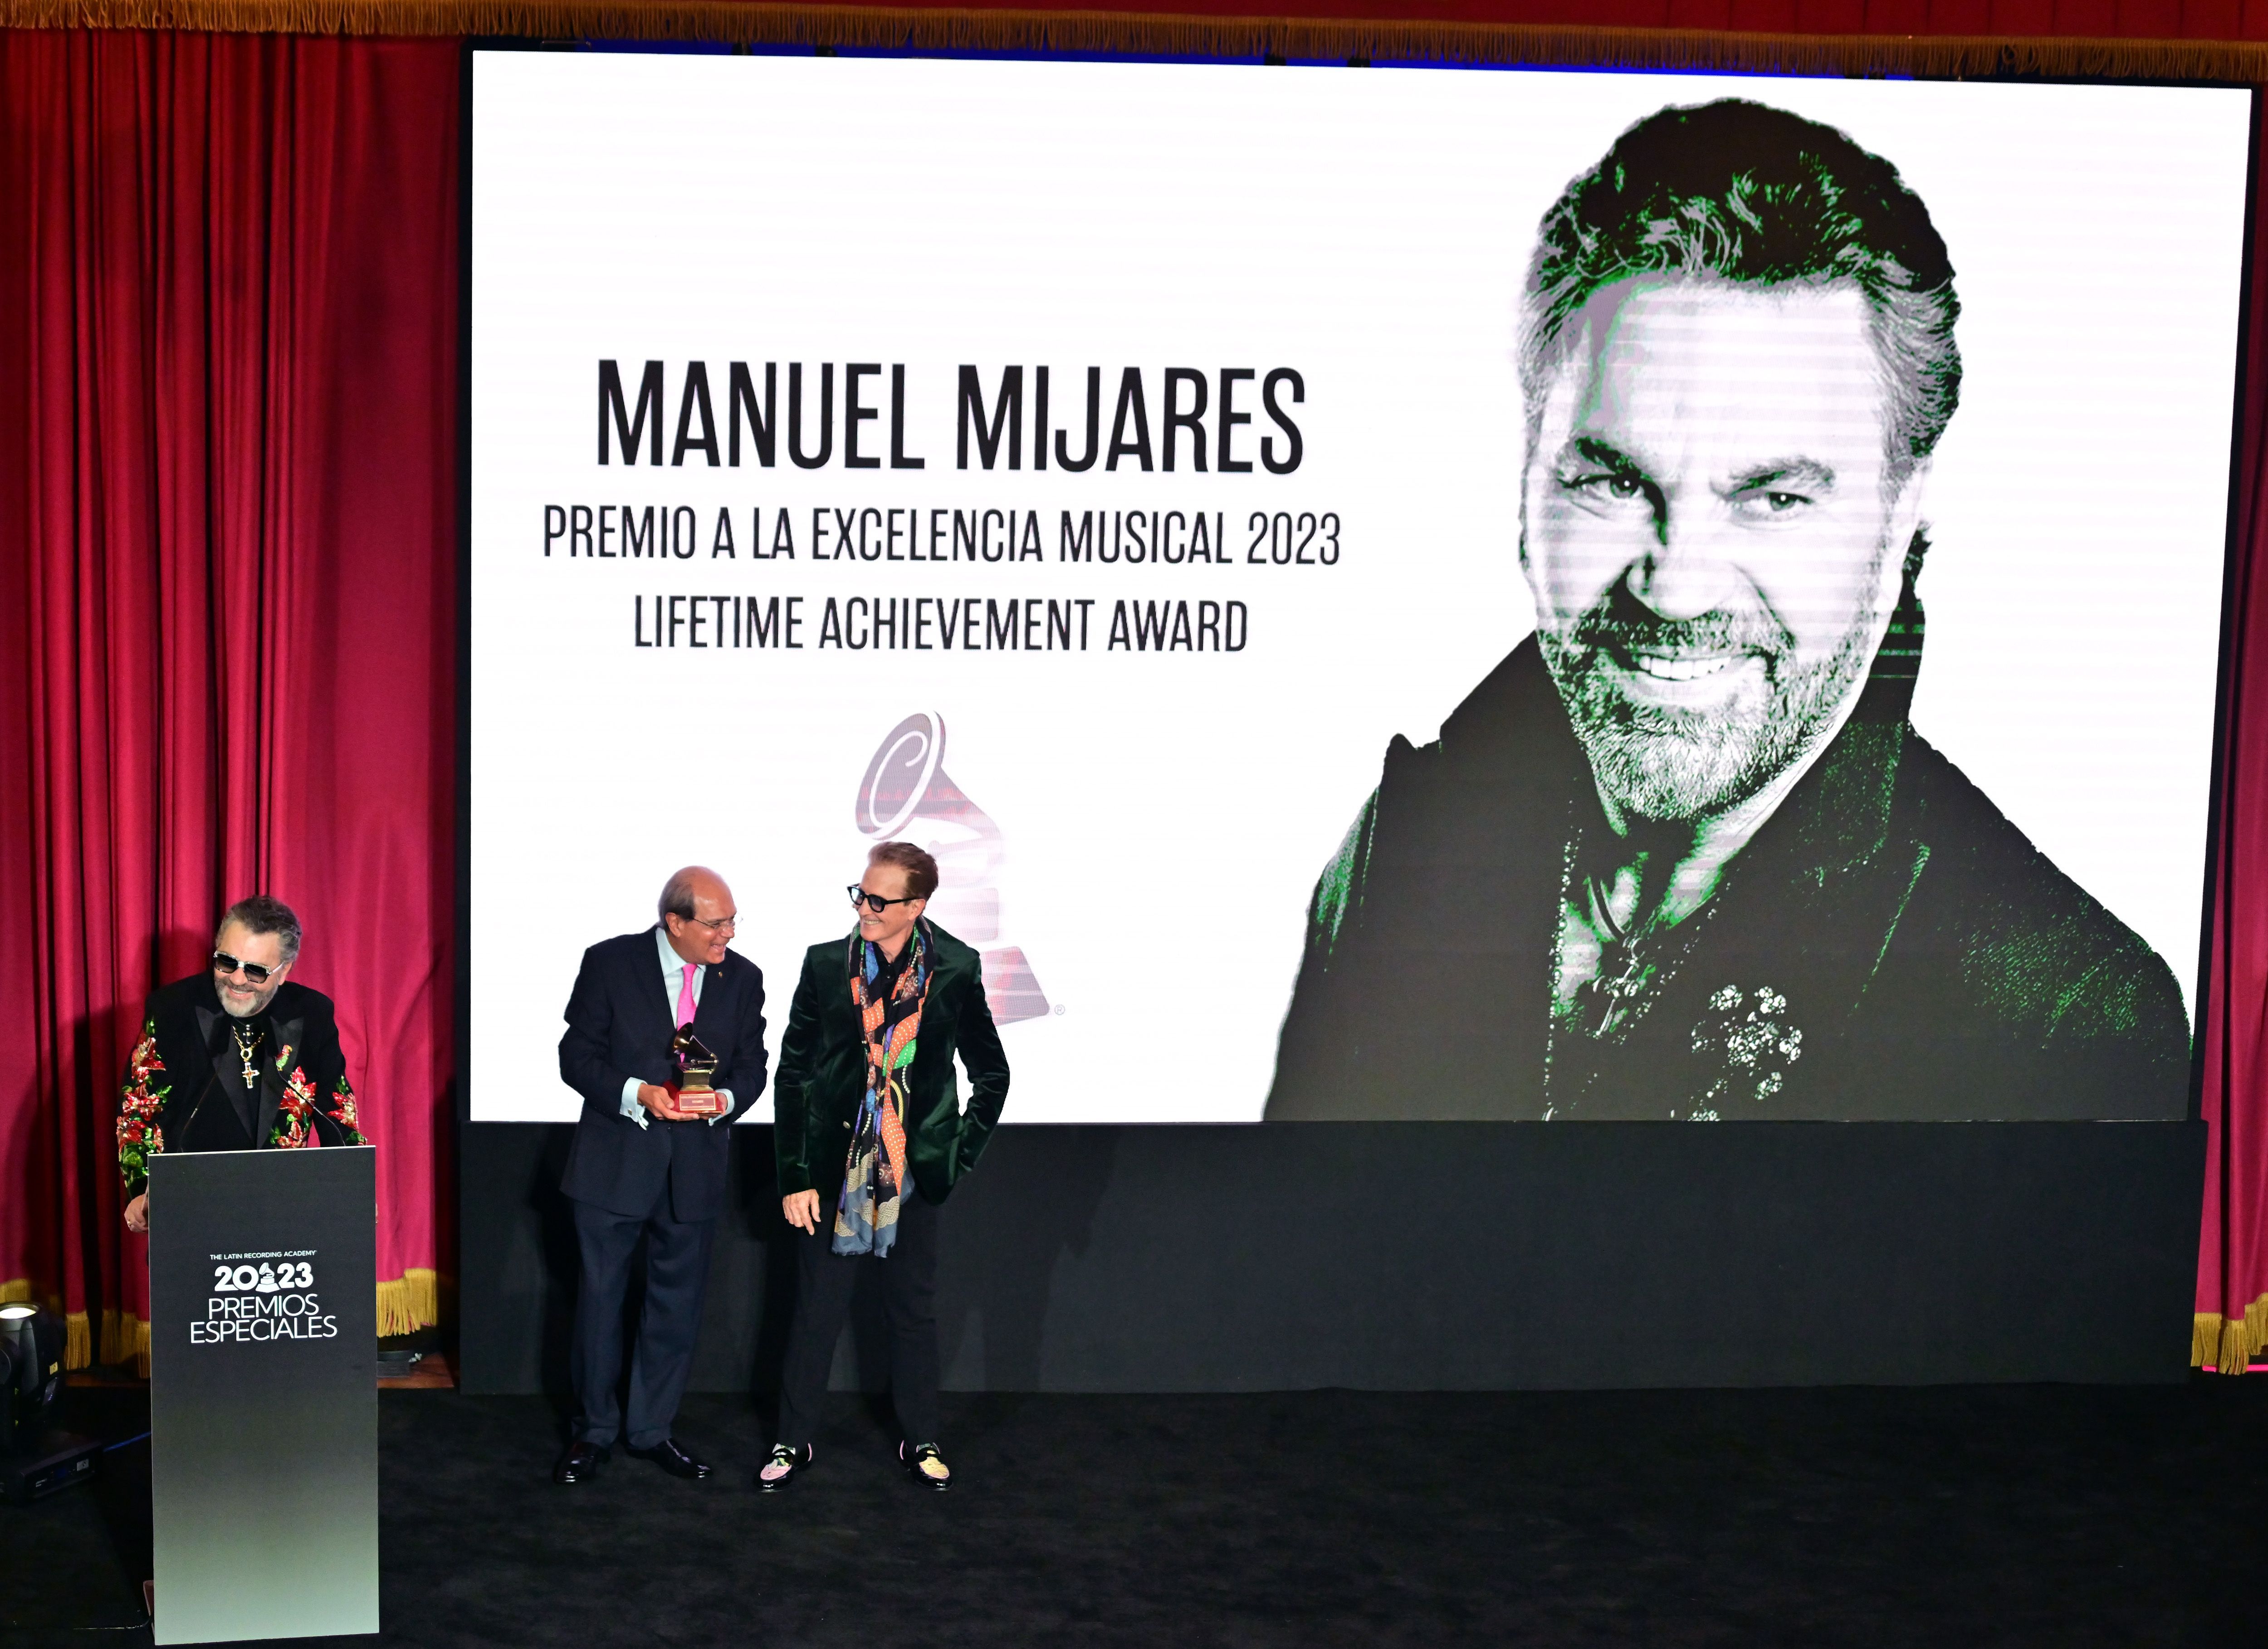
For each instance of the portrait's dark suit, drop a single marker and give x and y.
(665, 1181)
(1889, 946)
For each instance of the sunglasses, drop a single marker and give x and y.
(224, 963)
(875, 903)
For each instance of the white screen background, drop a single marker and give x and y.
(1164, 817)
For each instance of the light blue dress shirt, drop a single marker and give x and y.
(672, 973)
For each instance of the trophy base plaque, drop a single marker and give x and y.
(701, 1101)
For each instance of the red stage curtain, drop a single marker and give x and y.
(2232, 1293)
(2134, 19)
(230, 267)
(2215, 39)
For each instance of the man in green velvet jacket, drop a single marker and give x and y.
(870, 1138)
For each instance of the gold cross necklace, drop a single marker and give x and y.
(245, 1045)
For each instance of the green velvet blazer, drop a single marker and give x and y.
(822, 1074)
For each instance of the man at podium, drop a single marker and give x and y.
(237, 1058)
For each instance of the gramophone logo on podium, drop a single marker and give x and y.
(906, 781)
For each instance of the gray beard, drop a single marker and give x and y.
(259, 1003)
(1676, 765)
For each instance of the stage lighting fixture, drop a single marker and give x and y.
(31, 1341)
(33, 1460)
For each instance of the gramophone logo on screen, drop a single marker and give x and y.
(906, 781)
(267, 1296)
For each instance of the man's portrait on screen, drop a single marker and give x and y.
(1682, 855)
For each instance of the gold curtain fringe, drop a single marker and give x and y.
(126, 1339)
(412, 1301)
(2229, 1343)
(740, 22)
(78, 1349)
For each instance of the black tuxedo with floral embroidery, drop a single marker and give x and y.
(187, 1088)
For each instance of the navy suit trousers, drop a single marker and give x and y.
(676, 1274)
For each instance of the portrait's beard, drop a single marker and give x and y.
(1671, 764)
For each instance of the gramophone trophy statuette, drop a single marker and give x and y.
(696, 1065)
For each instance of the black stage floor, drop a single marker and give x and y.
(1968, 1516)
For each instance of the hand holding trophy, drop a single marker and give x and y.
(696, 1065)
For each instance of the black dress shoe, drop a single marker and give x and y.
(673, 1458)
(581, 1462)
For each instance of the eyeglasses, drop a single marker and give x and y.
(875, 902)
(224, 963)
(730, 924)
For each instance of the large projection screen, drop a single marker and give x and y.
(1090, 470)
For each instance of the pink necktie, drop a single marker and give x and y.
(685, 999)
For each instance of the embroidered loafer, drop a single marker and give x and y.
(782, 1467)
(925, 1466)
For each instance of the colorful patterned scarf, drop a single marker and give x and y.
(866, 1214)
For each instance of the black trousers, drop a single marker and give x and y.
(824, 1280)
(676, 1274)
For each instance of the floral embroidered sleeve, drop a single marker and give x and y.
(295, 1118)
(140, 1102)
(342, 1111)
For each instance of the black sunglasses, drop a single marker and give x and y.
(875, 903)
(224, 963)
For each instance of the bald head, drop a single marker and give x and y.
(697, 913)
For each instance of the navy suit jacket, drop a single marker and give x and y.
(619, 1021)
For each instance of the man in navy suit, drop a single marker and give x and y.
(646, 1162)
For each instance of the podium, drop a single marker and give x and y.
(264, 1393)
